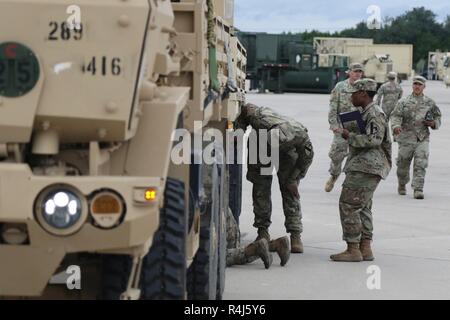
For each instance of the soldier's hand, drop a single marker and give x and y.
(430, 124)
(397, 131)
(293, 189)
(336, 130)
(345, 134)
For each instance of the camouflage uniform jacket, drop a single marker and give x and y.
(410, 113)
(371, 152)
(391, 92)
(294, 139)
(340, 102)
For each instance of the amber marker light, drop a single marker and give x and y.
(150, 195)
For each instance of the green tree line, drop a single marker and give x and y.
(418, 27)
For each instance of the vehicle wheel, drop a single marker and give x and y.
(202, 274)
(163, 273)
(115, 272)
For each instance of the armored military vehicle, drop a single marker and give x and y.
(91, 203)
(377, 68)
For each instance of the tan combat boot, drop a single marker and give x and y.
(260, 249)
(366, 250)
(352, 254)
(281, 247)
(330, 183)
(263, 233)
(296, 243)
(418, 194)
(402, 189)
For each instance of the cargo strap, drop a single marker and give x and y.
(231, 82)
(211, 35)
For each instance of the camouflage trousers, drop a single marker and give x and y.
(262, 194)
(235, 253)
(337, 154)
(418, 151)
(355, 206)
(237, 256)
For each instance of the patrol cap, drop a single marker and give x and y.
(419, 79)
(392, 75)
(365, 84)
(356, 67)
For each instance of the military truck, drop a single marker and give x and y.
(284, 63)
(360, 49)
(91, 203)
(447, 72)
(377, 68)
(436, 65)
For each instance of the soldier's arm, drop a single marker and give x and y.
(333, 112)
(379, 95)
(304, 160)
(396, 116)
(437, 115)
(400, 94)
(375, 131)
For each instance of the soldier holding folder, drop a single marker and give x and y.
(368, 162)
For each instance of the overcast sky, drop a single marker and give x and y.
(324, 15)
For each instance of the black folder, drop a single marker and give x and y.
(353, 122)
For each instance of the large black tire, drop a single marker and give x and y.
(115, 272)
(163, 275)
(164, 268)
(202, 274)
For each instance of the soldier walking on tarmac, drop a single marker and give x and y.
(368, 162)
(296, 155)
(389, 94)
(411, 120)
(340, 102)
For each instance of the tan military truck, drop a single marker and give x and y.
(91, 203)
(377, 67)
(436, 65)
(447, 72)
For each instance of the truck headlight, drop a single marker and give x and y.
(61, 210)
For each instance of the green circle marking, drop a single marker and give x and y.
(19, 69)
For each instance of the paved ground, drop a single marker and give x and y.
(412, 238)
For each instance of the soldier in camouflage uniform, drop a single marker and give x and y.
(340, 102)
(296, 154)
(235, 253)
(259, 249)
(240, 255)
(389, 94)
(411, 120)
(368, 162)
